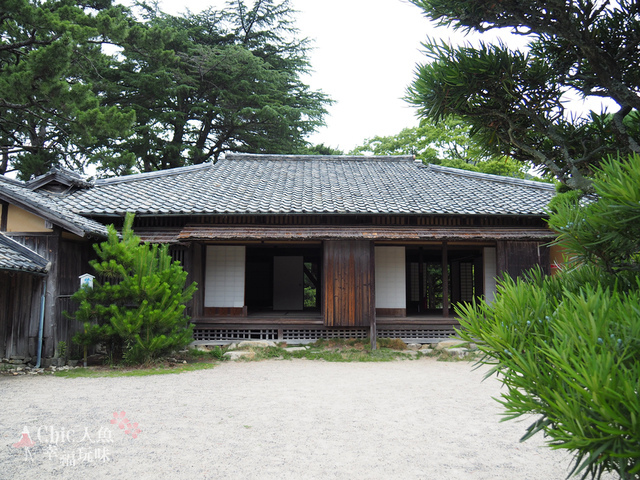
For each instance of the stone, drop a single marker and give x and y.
(427, 351)
(448, 344)
(232, 346)
(238, 354)
(472, 347)
(256, 344)
(460, 352)
(413, 346)
(296, 349)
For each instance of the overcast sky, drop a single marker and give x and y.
(364, 55)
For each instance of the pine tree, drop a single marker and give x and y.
(136, 308)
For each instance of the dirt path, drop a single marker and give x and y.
(274, 419)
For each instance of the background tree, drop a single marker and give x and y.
(137, 310)
(448, 143)
(515, 100)
(216, 81)
(49, 114)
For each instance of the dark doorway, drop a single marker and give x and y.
(283, 278)
(425, 280)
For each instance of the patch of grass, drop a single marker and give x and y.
(128, 372)
(392, 343)
(334, 350)
(197, 354)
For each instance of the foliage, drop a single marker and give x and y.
(215, 81)
(49, 114)
(515, 100)
(91, 82)
(606, 231)
(568, 346)
(138, 311)
(448, 143)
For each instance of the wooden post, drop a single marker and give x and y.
(445, 281)
(420, 278)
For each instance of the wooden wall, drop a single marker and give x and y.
(349, 286)
(20, 297)
(515, 257)
(69, 259)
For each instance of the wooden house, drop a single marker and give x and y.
(44, 247)
(296, 248)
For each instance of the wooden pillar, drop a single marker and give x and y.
(420, 277)
(445, 281)
(50, 332)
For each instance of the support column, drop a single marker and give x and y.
(445, 281)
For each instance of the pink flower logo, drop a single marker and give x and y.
(130, 428)
(120, 419)
(133, 430)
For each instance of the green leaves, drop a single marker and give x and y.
(516, 100)
(568, 346)
(139, 312)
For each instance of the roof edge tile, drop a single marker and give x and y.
(490, 177)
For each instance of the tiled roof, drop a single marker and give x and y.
(15, 256)
(276, 184)
(48, 207)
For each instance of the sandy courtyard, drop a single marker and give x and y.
(274, 419)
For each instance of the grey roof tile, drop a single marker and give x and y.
(49, 207)
(255, 184)
(15, 256)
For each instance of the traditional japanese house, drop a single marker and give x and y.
(296, 248)
(290, 248)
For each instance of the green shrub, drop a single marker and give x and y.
(567, 347)
(138, 311)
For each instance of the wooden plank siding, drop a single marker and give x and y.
(19, 313)
(69, 259)
(349, 288)
(516, 257)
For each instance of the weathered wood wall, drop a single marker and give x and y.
(349, 287)
(20, 298)
(69, 259)
(514, 257)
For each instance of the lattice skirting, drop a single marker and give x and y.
(308, 335)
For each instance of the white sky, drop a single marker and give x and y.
(364, 56)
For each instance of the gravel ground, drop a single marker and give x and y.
(274, 419)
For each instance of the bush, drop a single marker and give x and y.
(567, 347)
(138, 312)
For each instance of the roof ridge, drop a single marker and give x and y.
(12, 181)
(491, 176)
(349, 158)
(156, 173)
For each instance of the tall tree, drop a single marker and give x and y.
(515, 100)
(49, 113)
(448, 143)
(216, 81)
